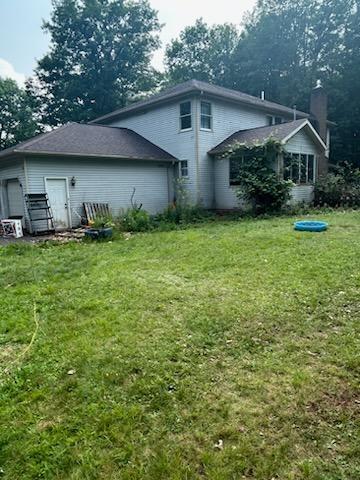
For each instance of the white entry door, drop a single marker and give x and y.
(57, 190)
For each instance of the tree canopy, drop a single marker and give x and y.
(99, 56)
(18, 121)
(283, 48)
(100, 59)
(202, 52)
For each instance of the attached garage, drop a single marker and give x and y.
(88, 163)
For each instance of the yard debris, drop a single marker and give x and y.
(312, 353)
(71, 372)
(219, 445)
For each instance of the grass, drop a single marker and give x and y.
(244, 332)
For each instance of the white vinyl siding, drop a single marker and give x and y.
(105, 181)
(161, 126)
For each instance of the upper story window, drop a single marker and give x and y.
(206, 116)
(274, 120)
(300, 168)
(185, 116)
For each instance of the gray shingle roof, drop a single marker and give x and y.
(196, 86)
(91, 140)
(258, 135)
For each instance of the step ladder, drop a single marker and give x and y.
(40, 214)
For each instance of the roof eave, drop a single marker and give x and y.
(92, 155)
(305, 123)
(146, 104)
(300, 127)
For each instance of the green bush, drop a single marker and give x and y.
(340, 189)
(179, 214)
(135, 220)
(102, 221)
(259, 184)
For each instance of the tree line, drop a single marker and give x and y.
(100, 53)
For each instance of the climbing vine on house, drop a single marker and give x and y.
(258, 179)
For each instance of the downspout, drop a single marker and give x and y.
(27, 220)
(26, 176)
(171, 178)
(197, 159)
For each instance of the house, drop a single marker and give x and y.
(139, 150)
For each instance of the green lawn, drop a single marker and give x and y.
(245, 332)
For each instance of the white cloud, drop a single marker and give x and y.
(177, 14)
(8, 71)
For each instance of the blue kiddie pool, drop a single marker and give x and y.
(311, 226)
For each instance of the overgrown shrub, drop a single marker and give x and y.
(339, 189)
(135, 220)
(259, 184)
(181, 214)
(182, 211)
(102, 221)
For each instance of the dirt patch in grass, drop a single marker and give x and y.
(344, 401)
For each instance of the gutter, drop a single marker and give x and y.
(88, 155)
(147, 104)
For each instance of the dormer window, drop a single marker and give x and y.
(274, 120)
(185, 116)
(206, 116)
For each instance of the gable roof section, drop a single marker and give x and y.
(196, 86)
(77, 139)
(282, 132)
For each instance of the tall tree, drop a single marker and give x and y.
(287, 45)
(18, 121)
(284, 47)
(345, 101)
(203, 52)
(100, 55)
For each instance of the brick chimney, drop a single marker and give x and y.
(319, 111)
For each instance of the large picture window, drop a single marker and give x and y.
(300, 168)
(185, 116)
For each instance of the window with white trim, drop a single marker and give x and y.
(274, 120)
(185, 116)
(299, 168)
(184, 169)
(206, 116)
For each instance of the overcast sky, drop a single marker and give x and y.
(22, 41)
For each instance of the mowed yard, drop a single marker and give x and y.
(226, 351)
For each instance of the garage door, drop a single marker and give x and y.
(15, 198)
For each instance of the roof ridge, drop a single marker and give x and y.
(104, 126)
(270, 126)
(189, 86)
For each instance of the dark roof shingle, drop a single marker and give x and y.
(91, 140)
(257, 135)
